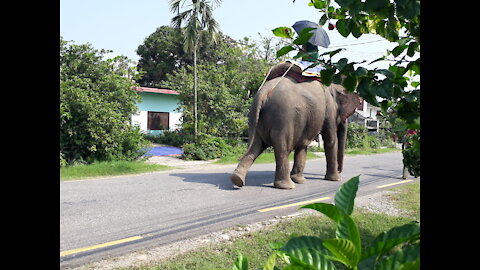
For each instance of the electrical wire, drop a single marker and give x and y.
(354, 44)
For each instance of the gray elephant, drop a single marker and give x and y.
(288, 115)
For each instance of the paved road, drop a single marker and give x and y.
(158, 208)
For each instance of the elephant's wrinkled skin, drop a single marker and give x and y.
(288, 116)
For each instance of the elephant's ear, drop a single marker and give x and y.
(347, 103)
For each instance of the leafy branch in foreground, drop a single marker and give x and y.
(397, 248)
(395, 89)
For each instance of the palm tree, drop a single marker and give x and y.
(197, 16)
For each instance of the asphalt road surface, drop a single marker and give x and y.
(107, 217)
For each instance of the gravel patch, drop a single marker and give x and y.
(379, 203)
(180, 163)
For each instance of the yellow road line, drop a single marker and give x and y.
(77, 250)
(292, 204)
(396, 183)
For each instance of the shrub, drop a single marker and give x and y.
(397, 248)
(96, 103)
(411, 154)
(175, 138)
(210, 147)
(356, 136)
(372, 142)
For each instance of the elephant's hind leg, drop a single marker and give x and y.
(282, 176)
(299, 165)
(238, 175)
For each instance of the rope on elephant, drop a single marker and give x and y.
(265, 79)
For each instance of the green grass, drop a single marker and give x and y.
(270, 158)
(110, 168)
(407, 197)
(363, 151)
(255, 246)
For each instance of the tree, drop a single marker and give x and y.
(198, 16)
(162, 52)
(225, 89)
(96, 103)
(394, 89)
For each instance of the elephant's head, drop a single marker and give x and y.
(347, 102)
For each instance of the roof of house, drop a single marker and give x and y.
(156, 90)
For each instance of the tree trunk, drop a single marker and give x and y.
(195, 91)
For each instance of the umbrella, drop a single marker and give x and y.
(319, 38)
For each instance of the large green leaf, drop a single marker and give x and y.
(327, 209)
(407, 258)
(343, 250)
(326, 75)
(343, 28)
(241, 263)
(345, 196)
(311, 242)
(310, 259)
(284, 32)
(347, 229)
(284, 50)
(355, 28)
(375, 5)
(350, 82)
(270, 265)
(308, 251)
(409, 9)
(387, 240)
(304, 36)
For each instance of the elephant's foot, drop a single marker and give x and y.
(333, 176)
(237, 178)
(284, 184)
(299, 179)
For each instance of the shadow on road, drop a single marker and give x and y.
(222, 180)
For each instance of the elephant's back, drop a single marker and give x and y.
(296, 107)
(287, 94)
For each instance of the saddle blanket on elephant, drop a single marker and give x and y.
(298, 71)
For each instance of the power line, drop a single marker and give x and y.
(354, 44)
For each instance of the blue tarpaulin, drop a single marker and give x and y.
(164, 151)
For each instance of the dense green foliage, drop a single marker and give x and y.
(209, 147)
(358, 137)
(395, 89)
(196, 16)
(396, 248)
(96, 102)
(225, 89)
(162, 52)
(411, 154)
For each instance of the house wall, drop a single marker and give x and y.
(156, 102)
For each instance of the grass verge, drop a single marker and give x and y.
(270, 157)
(111, 168)
(255, 245)
(370, 151)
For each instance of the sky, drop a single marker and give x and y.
(122, 25)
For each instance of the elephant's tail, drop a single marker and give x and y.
(265, 90)
(253, 117)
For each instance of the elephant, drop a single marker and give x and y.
(288, 115)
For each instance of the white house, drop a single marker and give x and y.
(157, 110)
(366, 115)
